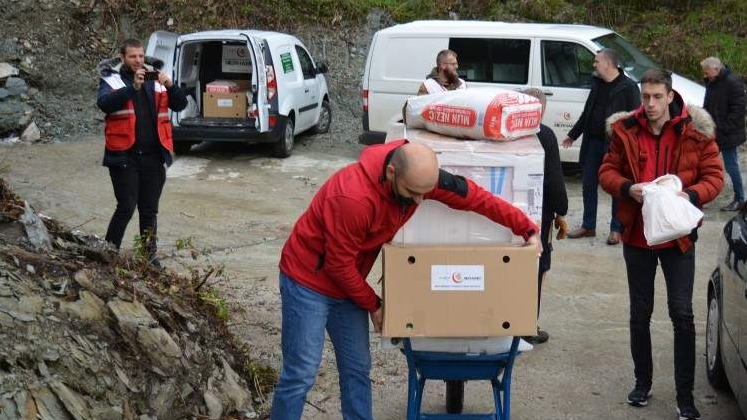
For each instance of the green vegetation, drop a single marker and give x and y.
(675, 33)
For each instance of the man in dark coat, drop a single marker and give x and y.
(611, 91)
(724, 100)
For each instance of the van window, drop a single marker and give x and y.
(307, 66)
(492, 60)
(566, 64)
(633, 61)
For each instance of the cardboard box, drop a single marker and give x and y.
(459, 291)
(512, 170)
(224, 105)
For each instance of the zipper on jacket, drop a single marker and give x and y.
(666, 155)
(658, 144)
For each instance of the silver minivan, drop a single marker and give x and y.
(277, 89)
(556, 58)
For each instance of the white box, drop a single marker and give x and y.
(511, 170)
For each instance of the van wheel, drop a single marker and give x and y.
(325, 119)
(284, 146)
(714, 362)
(182, 147)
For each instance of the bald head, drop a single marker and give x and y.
(415, 168)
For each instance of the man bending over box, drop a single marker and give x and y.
(334, 244)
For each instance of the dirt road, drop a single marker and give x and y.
(240, 205)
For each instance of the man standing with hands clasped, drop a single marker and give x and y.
(611, 91)
(661, 137)
(724, 100)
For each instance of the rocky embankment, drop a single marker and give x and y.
(87, 334)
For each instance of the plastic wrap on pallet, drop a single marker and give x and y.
(512, 170)
(482, 113)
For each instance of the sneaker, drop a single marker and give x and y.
(733, 206)
(639, 396)
(688, 412)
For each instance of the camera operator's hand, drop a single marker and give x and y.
(164, 79)
(139, 79)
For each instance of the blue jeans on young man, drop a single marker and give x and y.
(731, 164)
(306, 315)
(594, 153)
(679, 276)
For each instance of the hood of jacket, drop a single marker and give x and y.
(114, 65)
(702, 122)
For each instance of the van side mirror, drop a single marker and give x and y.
(321, 68)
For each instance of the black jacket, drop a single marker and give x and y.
(554, 195)
(624, 96)
(724, 100)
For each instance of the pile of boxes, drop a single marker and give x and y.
(226, 99)
(450, 273)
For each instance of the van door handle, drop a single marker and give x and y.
(548, 93)
(306, 90)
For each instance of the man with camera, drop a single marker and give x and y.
(136, 97)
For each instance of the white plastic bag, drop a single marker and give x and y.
(666, 214)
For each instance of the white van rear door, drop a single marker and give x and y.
(162, 45)
(260, 79)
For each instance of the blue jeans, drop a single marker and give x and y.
(306, 314)
(731, 164)
(679, 276)
(595, 150)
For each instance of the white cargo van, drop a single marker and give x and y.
(555, 58)
(273, 88)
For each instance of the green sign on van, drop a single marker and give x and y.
(287, 62)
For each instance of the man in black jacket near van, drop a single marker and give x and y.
(724, 100)
(611, 91)
(554, 205)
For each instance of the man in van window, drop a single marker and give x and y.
(136, 97)
(444, 76)
(724, 100)
(663, 136)
(611, 91)
(331, 250)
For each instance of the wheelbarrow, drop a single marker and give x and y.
(454, 369)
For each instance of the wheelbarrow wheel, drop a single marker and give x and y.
(454, 396)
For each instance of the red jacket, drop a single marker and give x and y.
(686, 148)
(336, 241)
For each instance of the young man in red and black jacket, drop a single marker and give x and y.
(331, 250)
(661, 137)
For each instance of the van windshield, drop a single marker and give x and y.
(634, 62)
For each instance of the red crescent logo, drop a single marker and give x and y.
(456, 277)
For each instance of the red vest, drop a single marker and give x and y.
(119, 129)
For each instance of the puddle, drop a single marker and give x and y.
(186, 167)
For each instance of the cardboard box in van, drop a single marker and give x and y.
(459, 291)
(224, 105)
